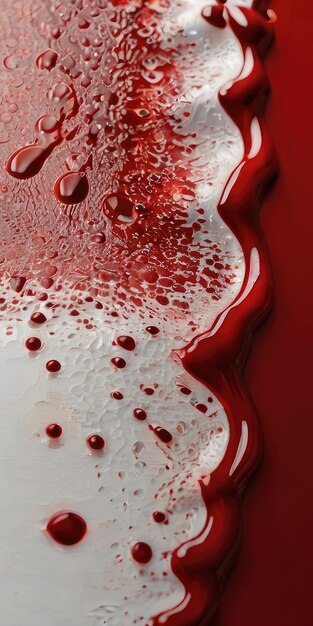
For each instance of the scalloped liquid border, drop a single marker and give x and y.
(216, 358)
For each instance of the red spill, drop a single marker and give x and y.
(141, 552)
(53, 366)
(128, 343)
(96, 442)
(33, 344)
(54, 431)
(38, 318)
(118, 362)
(67, 528)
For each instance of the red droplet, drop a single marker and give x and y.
(33, 344)
(71, 188)
(118, 362)
(28, 161)
(47, 60)
(67, 528)
(153, 330)
(141, 552)
(128, 343)
(98, 238)
(140, 414)
(201, 407)
(53, 366)
(119, 208)
(17, 283)
(38, 318)
(185, 390)
(159, 517)
(148, 391)
(117, 395)
(96, 442)
(162, 433)
(54, 431)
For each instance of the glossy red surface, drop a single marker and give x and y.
(271, 581)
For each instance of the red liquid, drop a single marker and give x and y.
(142, 553)
(159, 517)
(162, 434)
(53, 366)
(71, 188)
(128, 343)
(54, 431)
(38, 318)
(118, 362)
(140, 414)
(96, 442)
(67, 528)
(216, 358)
(33, 344)
(47, 60)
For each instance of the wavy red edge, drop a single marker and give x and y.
(217, 358)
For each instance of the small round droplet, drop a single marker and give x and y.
(153, 330)
(96, 442)
(159, 517)
(117, 395)
(141, 552)
(38, 318)
(67, 528)
(140, 414)
(128, 343)
(54, 431)
(53, 366)
(33, 344)
(118, 362)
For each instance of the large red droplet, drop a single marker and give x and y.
(17, 283)
(38, 318)
(54, 431)
(33, 344)
(71, 188)
(53, 366)
(96, 442)
(141, 552)
(162, 433)
(47, 60)
(118, 362)
(128, 343)
(140, 414)
(159, 517)
(153, 330)
(118, 207)
(67, 528)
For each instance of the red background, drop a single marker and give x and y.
(272, 582)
